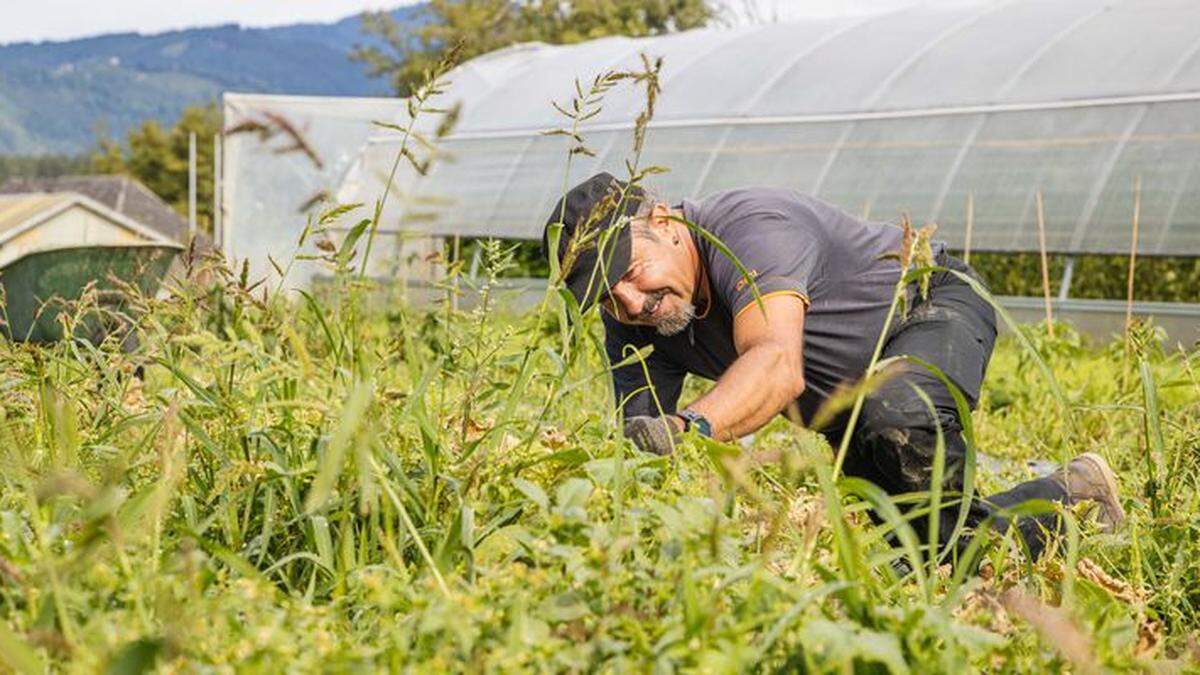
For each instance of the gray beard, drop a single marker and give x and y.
(673, 324)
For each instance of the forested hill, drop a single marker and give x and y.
(55, 95)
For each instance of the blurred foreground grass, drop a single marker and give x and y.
(312, 484)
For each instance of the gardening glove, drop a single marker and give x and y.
(657, 435)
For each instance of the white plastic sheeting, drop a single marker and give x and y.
(910, 111)
(274, 181)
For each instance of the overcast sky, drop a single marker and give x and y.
(34, 20)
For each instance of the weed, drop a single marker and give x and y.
(333, 481)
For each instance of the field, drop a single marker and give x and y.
(347, 482)
(343, 481)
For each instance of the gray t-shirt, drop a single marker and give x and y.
(789, 243)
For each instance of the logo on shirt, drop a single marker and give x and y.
(741, 282)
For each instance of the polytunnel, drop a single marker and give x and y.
(921, 110)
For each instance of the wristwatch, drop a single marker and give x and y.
(692, 419)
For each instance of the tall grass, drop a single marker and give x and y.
(338, 480)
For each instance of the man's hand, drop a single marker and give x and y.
(654, 434)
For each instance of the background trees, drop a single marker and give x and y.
(41, 166)
(404, 53)
(158, 157)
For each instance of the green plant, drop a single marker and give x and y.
(342, 481)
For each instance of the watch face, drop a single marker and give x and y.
(695, 419)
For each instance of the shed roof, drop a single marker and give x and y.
(16, 210)
(22, 212)
(122, 194)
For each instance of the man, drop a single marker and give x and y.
(824, 282)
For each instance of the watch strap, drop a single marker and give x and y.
(692, 419)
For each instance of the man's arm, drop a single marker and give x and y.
(768, 373)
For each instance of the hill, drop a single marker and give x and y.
(54, 96)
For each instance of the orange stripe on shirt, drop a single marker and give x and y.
(752, 303)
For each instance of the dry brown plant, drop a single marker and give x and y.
(1055, 627)
(1117, 588)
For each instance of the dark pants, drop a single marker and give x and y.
(895, 439)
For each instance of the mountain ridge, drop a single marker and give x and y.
(55, 95)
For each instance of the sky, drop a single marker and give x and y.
(36, 20)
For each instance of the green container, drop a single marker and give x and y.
(36, 285)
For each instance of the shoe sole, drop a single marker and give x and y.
(1114, 514)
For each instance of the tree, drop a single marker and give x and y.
(158, 158)
(41, 166)
(481, 26)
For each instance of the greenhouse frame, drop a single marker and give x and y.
(959, 115)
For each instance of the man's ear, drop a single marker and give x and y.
(660, 217)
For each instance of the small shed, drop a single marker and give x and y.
(54, 245)
(122, 194)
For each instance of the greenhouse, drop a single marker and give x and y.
(956, 115)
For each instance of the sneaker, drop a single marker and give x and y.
(1088, 478)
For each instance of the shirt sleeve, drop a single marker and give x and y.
(781, 258)
(632, 383)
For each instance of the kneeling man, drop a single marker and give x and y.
(825, 281)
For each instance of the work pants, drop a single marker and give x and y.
(895, 439)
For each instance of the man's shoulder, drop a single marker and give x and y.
(720, 211)
(747, 197)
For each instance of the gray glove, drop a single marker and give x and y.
(652, 434)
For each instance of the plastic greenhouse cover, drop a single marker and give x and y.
(986, 104)
(284, 159)
(921, 110)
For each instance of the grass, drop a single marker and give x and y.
(341, 486)
(340, 481)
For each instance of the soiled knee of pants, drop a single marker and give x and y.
(902, 444)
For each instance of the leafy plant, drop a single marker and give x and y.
(339, 480)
